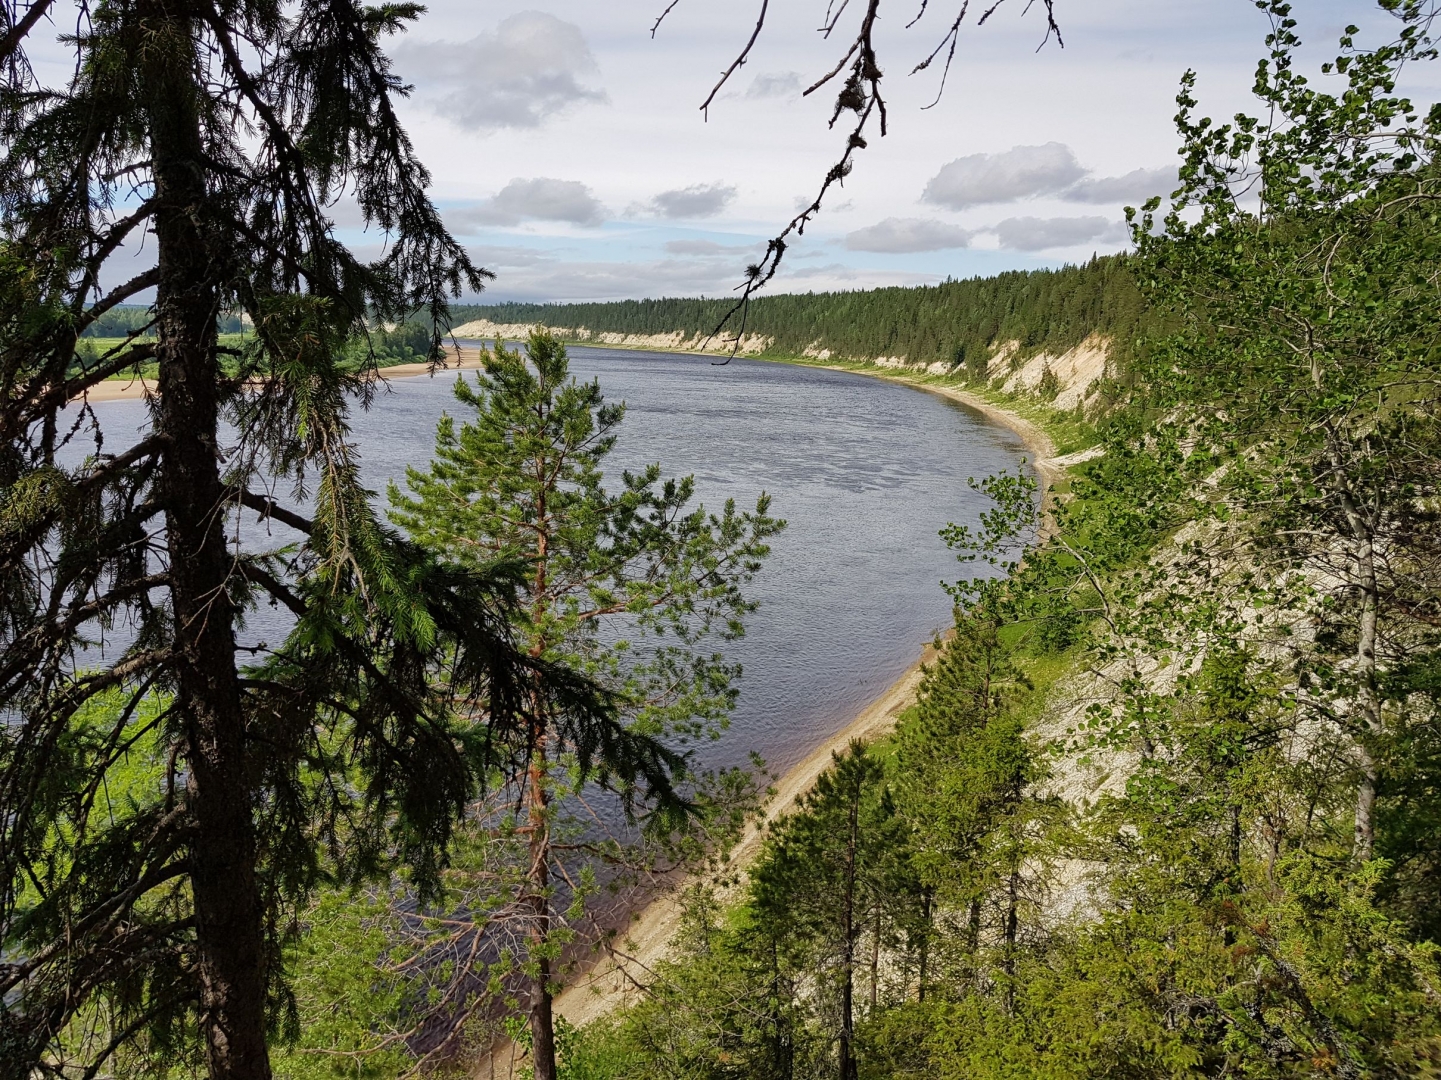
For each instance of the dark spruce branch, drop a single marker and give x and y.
(170, 803)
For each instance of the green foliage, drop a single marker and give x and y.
(135, 320)
(1241, 593)
(523, 483)
(405, 342)
(631, 585)
(150, 937)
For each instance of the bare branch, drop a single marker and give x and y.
(661, 17)
(738, 62)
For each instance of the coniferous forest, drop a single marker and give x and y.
(957, 322)
(1167, 803)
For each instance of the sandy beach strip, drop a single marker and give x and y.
(611, 980)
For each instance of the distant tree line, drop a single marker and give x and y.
(395, 343)
(126, 319)
(956, 322)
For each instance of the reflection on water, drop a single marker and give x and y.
(866, 473)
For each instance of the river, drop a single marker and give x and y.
(866, 473)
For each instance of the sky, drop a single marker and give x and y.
(570, 155)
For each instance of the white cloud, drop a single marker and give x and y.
(518, 76)
(538, 198)
(773, 84)
(492, 256)
(696, 201)
(904, 235)
(1038, 234)
(1134, 187)
(704, 248)
(1017, 173)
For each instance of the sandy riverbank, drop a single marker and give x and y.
(133, 389)
(606, 985)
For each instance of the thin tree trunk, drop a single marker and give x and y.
(1368, 702)
(847, 1060)
(1008, 961)
(875, 957)
(229, 915)
(925, 944)
(542, 1017)
(542, 1020)
(973, 927)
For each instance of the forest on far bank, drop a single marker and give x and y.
(959, 323)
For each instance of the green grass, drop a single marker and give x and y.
(93, 348)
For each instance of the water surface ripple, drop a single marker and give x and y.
(865, 471)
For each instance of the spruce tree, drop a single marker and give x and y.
(169, 798)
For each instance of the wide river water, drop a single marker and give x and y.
(865, 472)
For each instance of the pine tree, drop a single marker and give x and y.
(824, 869)
(626, 583)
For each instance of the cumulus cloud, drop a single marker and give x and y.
(1038, 234)
(996, 178)
(703, 248)
(538, 198)
(547, 276)
(902, 235)
(775, 84)
(518, 76)
(1134, 187)
(696, 201)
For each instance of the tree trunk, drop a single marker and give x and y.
(229, 914)
(1368, 701)
(925, 943)
(875, 957)
(848, 961)
(1008, 961)
(542, 1020)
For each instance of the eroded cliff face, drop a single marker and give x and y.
(1068, 379)
(1073, 376)
(750, 344)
